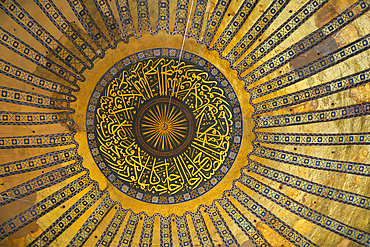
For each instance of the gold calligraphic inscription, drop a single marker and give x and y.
(158, 144)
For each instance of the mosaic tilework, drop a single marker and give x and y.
(307, 42)
(183, 231)
(32, 118)
(314, 117)
(214, 21)
(126, 19)
(244, 224)
(163, 16)
(309, 187)
(146, 236)
(270, 219)
(197, 20)
(315, 92)
(312, 162)
(201, 229)
(52, 140)
(222, 228)
(258, 28)
(41, 208)
(61, 22)
(111, 231)
(15, 72)
(26, 51)
(109, 21)
(313, 139)
(129, 232)
(181, 16)
(92, 222)
(143, 15)
(18, 14)
(32, 99)
(234, 25)
(280, 34)
(312, 68)
(311, 215)
(90, 25)
(166, 232)
(39, 183)
(38, 162)
(67, 218)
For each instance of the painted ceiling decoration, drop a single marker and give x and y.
(184, 123)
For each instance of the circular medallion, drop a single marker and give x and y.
(164, 127)
(162, 131)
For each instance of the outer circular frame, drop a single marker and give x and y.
(222, 83)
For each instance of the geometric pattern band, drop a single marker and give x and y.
(309, 214)
(146, 236)
(183, 231)
(111, 231)
(314, 117)
(307, 42)
(33, 118)
(38, 162)
(311, 162)
(313, 139)
(201, 229)
(129, 232)
(41, 208)
(270, 219)
(309, 187)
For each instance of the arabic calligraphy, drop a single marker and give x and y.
(156, 147)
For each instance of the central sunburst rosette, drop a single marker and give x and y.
(164, 130)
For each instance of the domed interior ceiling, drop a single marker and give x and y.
(184, 123)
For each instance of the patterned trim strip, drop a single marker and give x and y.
(39, 183)
(129, 232)
(19, 15)
(314, 117)
(32, 99)
(17, 73)
(269, 15)
(312, 68)
(92, 222)
(270, 219)
(337, 23)
(166, 232)
(234, 25)
(143, 16)
(41, 208)
(283, 32)
(201, 229)
(313, 139)
(33, 118)
(163, 16)
(244, 224)
(315, 92)
(26, 51)
(222, 228)
(311, 162)
(181, 16)
(38, 162)
(59, 20)
(86, 20)
(197, 21)
(309, 214)
(305, 185)
(146, 236)
(67, 218)
(109, 21)
(37, 141)
(214, 21)
(126, 19)
(183, 231)
(111, 231)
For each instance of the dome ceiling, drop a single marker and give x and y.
(184, 123)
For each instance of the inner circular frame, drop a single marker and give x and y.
(142, 142)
